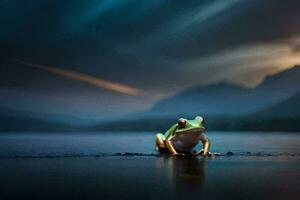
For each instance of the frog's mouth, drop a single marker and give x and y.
(189, 133)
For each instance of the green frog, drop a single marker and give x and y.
(182, 137)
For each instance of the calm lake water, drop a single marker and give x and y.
(84, 144)
(84, 166)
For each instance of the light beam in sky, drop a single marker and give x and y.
(97, 82)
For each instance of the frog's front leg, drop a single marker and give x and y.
(170, 146)
(164, 145)
(160, 142)
(206, 146)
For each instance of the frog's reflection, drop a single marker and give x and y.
(185, 173)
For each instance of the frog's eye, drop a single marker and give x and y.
(181, 123)
(199, 119)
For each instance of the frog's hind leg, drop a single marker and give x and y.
(160, 142)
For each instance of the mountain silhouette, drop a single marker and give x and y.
(283, 116)
(274, 105)
(289, 108)
(285, 83)
(229, 100)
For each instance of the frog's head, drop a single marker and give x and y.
(194, 125)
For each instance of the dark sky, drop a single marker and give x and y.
(158, 47)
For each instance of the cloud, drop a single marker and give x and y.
(97, 82)
(246, 65)
(160, 46)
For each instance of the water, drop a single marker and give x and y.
(89, 144)
(84, 166)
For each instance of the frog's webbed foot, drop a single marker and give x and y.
(185, 154)
(201, 153)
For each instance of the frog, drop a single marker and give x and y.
(182, 138)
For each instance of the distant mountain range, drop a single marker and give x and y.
(289, 108)
(284, 116)
(274, 105)
(227, 99)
